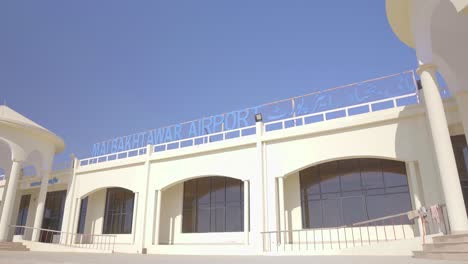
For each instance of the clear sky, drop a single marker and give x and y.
(93, 70)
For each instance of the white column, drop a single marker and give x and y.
(9, 201)
(70, 202)
(281, 215)
(158, 217)
(415, 189)
(443, 149)
(146, 195)
(257, 185)
(136, 206)
(40, 205)
(5, 187)
(246, 212)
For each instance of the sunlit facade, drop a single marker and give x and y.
(342, 171)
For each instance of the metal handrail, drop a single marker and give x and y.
(208, 136)
(178, 143)
(90, 241)
(345, 109)
(378, 230)
(105, 158)
(380, 219)
(142, 151)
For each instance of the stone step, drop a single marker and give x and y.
(447, 246)
(458, 238)
(453, 255)
(13, 246)
(11, 243)
(14, 249)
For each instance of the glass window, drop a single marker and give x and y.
(22, 214)
(350, 191)
(82, 217)
(53, 214)
(118, 214)
(460, 150)
(213, 204)
(350, 175)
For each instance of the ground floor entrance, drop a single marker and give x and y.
(53, 215)
(460, 149)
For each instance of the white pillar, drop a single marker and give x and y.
(70, 202)
(246, 212)
(40, 205)
(257, 185)
(5, 187)
(443, 149)
(415, 189)
(142, 240)
(281, 214)
(9, 201)
(158, 217)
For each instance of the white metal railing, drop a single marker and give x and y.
(296, 120)
(302, 120)
(246, 131)
(89, 241)
(113, 156)
(194, 141)
(215, 137)
(384, 229)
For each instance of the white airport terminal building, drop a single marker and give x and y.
(376, 167)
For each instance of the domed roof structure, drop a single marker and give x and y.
(10, 117)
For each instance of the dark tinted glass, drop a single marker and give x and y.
(213, 204)
(460, 149)
(22, 214)
(329, 183)
(82, 217)
(118, 216)
(351, 191)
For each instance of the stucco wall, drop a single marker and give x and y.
(399, 134)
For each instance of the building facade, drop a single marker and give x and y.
(311, 174)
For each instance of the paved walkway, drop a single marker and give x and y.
(86, 258)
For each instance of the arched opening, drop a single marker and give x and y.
(107, 211)
(344, 192)
(213, 204)
(5, 158)
(196, 210)
(118, 213)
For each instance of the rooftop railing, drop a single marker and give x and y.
(373, 95)
(113, 156)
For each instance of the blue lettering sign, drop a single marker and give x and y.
(396, 85)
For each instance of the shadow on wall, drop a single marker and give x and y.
(171, 213)
(413, 145)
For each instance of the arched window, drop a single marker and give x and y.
(118, 214)
(350, 191)
(213, 204)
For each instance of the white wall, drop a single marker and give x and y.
(292, 203)
(400, 134)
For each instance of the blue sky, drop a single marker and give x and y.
(93, 70)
